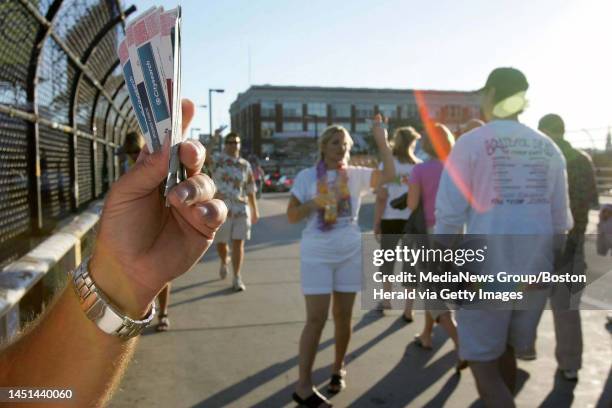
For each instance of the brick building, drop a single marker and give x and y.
(284, 120)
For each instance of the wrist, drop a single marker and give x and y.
(130, 297)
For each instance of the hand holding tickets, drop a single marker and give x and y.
(150, 57)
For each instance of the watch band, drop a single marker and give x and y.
(101, 311)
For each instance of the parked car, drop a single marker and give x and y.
(279, 181)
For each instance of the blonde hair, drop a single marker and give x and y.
(330, 132)
(403, 138)
(438, 141)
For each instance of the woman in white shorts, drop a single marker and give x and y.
(328, 196)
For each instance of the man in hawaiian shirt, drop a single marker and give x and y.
(582, 189)
(235, 183)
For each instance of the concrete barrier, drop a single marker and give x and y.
(62, 251)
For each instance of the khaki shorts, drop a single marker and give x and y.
(234, 228)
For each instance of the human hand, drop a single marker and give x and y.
(254, 217)
(141, 243)
(323, 200)
(377, 231)
(379, 129)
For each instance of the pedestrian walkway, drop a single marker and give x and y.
(240, 350)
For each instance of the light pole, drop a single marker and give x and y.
(210, 91)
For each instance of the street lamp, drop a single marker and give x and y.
(210, 91)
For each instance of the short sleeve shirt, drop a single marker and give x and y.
(305, 189)
(234, 179)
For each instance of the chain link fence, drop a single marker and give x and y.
(64, 112)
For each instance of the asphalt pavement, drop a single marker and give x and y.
(240, 349)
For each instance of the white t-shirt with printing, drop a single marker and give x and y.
(396, 188)
(345, 234)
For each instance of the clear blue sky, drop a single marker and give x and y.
(562, 46)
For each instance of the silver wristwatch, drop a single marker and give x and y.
(99, 309)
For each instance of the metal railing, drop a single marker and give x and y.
(63, 115)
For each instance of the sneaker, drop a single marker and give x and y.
(570, 375)
(238, 284)
(527, 355)
(223, 271)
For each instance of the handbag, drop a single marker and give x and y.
(416, 223)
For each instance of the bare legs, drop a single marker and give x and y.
(317, 310)
(237, 254)
(342, 310)
(496, 379)
(164, 299)
(448, 324)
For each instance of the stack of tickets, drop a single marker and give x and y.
(150, 57)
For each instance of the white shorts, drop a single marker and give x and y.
(485, 334)
(234, 228)
(322, 278)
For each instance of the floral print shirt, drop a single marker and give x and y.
(234, 180)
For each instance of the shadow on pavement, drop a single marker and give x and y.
(321, 375)
(521, 379)
(412, 375)
(605, 400)
(194, 285)
(236, 391)
(562, 394)
(221, 292)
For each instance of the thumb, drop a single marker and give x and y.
(147, 174)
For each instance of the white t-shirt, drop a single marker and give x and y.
(345, 233)
(506, 179)
(513, 180)
(396, 188)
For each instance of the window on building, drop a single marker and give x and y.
(341, 110)
(292, 110)
(267, 129)
(317, 108)
(364, 110)
(409, 111)
(388, 110)
(363, 127)
(268, 109)
(292, 126)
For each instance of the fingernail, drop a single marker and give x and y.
(182, 193)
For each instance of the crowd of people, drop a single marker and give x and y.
(455, 190)
(473, 184)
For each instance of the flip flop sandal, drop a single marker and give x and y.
(419, 342)
(313, 401)
(164, 323)
(336, 384)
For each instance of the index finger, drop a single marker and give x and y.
(192, 154)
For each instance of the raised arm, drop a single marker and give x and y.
(380, 137)
(141, 245)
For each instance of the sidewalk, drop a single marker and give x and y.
(240, 350)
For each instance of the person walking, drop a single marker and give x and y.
(582, 188)
(389, 223)
(328, 196)
(235, 183)
(504, 181)
(422, 190)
